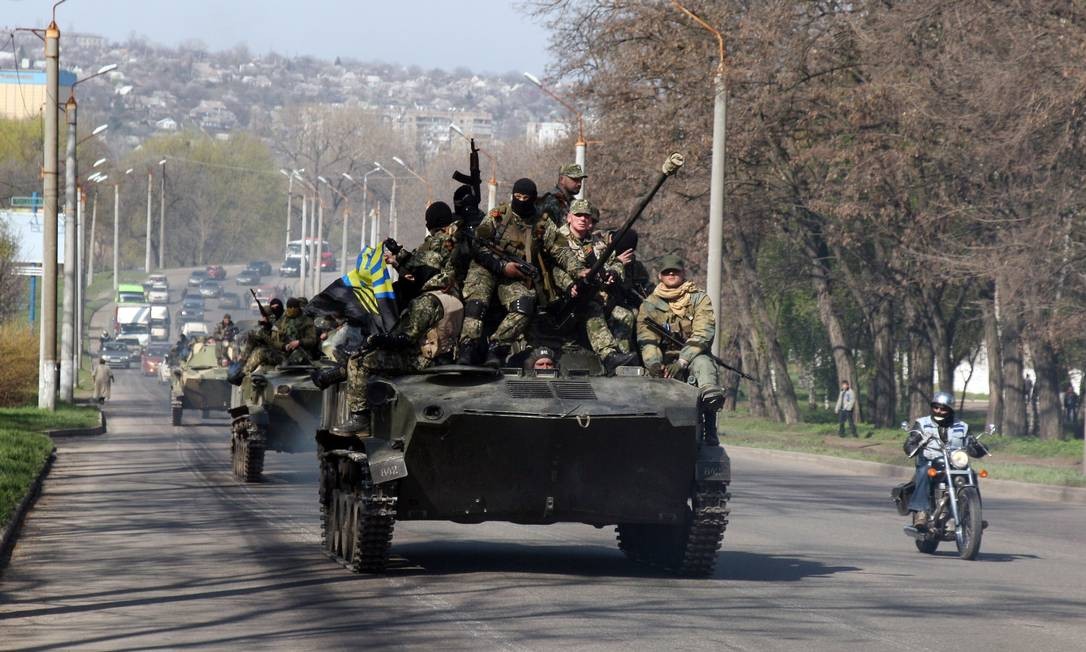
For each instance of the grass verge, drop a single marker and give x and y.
(1025, 459)
(24, 449)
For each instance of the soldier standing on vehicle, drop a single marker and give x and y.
(103, 381)
(686, 312)
(226, 329)
(555, 204)
(425, 335)
(846, 403)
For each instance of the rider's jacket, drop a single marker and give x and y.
(956, 436)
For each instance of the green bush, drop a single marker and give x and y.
(19, 371)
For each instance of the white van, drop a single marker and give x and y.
(190, 328)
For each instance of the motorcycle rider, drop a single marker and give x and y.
(941, 424)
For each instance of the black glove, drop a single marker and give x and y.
(975, 448)
(912, 441)
(392, 246)
(656, 370)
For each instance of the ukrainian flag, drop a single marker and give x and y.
(364, 295)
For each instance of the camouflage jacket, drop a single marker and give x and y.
(555, 205)
(300, 328)
(438, 251)
(587, 250)
(538, 242)
(696, 327)
(421, 319)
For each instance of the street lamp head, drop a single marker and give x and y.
(128, 171)
(162, 162)
(101, 178)
(106, 68)
(99, 129)
(322, 179)
(532, 78)
(347, 176)
(284, 173)
(453, 127)
(399, 160)
(99, 162)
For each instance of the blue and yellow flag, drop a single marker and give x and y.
(364, 295)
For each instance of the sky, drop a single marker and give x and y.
(483, 35)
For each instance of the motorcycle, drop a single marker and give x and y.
(957, 515)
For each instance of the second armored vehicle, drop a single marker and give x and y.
(199, 380)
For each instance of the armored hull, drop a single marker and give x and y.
(199, 383)
(468, 445)
(279, 411)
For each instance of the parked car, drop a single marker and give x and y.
(196, 278)
(192, 309)
(159, 293)
(230, 301)
(261, 267)
(153, 356)
(116, 354)
(264, 293)
(247, 277)
(211, 289)
(188, 329)
(217, 272)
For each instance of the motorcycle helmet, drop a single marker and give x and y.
(944, 417)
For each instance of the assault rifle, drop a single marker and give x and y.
(260, 306)
(525, 267)
(567, 308)
(672, 339)
(475, 178)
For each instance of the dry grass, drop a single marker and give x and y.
(19, 371)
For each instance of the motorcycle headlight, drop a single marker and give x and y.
(959, 459)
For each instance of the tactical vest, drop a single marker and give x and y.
(441, 338)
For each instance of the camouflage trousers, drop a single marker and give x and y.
(262, 356)
(623, 323)
(599, 334)
(703, 372)
(386, 363)
(477, 291)
(515, 324)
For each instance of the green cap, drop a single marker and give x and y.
(671, 261)
(573, 171)
(583, 207)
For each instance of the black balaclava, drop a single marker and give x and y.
(438, 215)
(276, 308)
(465, 202)
(525, 209)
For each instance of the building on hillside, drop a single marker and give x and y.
(22, 92)
(541, 134)
(429, 128)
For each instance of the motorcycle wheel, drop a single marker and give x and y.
(927, 546)
(971, 526)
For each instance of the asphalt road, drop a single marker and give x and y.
(143, 540)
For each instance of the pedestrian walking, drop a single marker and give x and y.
(103, 381)
(846, 403)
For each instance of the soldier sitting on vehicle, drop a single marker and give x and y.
(623, 301)
(263, 347)
(687, 312)
(438, 252)
(425, 335)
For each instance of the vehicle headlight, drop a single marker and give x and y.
(959, 459)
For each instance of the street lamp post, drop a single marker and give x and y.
(97, 179)
(581, 145)
(715, 260)
(290, 200)
(47, 398)
(492, 184)
(429, 188)
(117, 230)
(365, 203)
(391, 207)
(147, 246)
(162, 217)
(67, 320)
(346, 219)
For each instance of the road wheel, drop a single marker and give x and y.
(688, 548)
(970, 525)
(175, 416)
(357, 516)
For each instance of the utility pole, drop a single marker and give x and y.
(303, 251)
(162, 217)
(392, 217)
(147, 254)
(47, 398)
(318, 245)
(290, 202)
(80, 287)
(67, 323)
(116, 233)
(90, 244)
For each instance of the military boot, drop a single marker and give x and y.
(496, 355)
(469, 352)
(328, 376)
(617, 359)
(358, 425)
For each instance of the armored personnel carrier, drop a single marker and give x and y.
(198, 382)
(277, 410)
(470, 444)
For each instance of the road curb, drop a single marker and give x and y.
(80, 432)
(14, 526)
(989, 486)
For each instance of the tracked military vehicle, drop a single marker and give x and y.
(469, 444)
(198, 382)
(276, 410)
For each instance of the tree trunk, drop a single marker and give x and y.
(818, 254)
(1010, 347)
(882, 388)
(995, 357)
(757, 401)
(1047, 365)
(921, 374)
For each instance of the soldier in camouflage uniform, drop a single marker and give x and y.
(624, 300)
(439, 252)
(518, 230)
(587, 244)
(262, 349)
(425, 335)
(687, 312)
(555, 204)
(296, 335)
